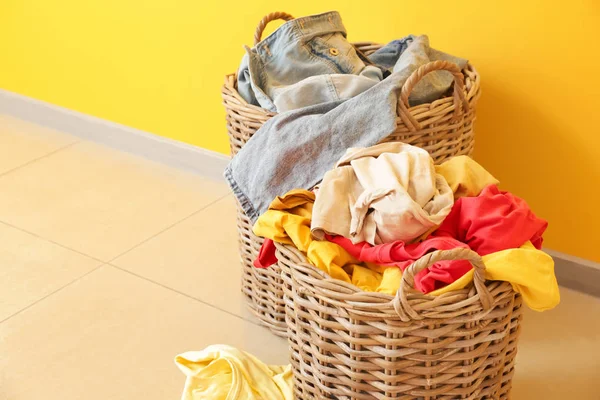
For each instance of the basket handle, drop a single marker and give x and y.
(416, 76)
(400, 302)
(266, 19)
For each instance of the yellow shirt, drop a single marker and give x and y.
(222, 372)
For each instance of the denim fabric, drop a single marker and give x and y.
(295, 149)
(387, 56)
(304, 62)
(411, 52)
(433, 85)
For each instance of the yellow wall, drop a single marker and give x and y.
(157, 65)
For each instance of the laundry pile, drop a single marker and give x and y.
(317, 177)
(329, 98)
(376, 212)
(383, 207)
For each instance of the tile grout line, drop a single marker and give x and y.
(169, 227)
(120, 254)
(52, 293)
(183, 294)
(40, 158)
(52, 241)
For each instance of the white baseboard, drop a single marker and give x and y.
(156, 148)
(572, 272)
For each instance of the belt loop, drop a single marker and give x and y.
(267, 50)
(331, 21)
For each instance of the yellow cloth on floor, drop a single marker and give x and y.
(222, 372)
(530, 271)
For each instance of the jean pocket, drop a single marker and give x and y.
(336, 51)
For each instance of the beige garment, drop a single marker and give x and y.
(381, 194)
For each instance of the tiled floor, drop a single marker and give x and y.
(110, 265)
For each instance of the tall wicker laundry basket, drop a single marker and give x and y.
(444, 128)
(355, 345)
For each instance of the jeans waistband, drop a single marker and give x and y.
(300, 29)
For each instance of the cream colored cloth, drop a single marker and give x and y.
(381, 194)
(222, 372)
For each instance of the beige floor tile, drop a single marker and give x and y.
(112, 335)
(22, 142)
(31, 268)
(100, 201)
(198, 256)
(559, 351)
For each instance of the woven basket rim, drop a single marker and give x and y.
(231, 85)
(301, 260)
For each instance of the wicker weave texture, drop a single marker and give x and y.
(349, 344)
(444, 128)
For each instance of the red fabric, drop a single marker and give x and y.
(402, 255)
(266, 255)
(493, 221)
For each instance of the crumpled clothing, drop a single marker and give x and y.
(403, 255)
(465, 176)
(387, 56)
(288, 221)
(309, 61)
(398, 54)
(266, 255)
(381, 194)
(530, 271)
(222, 372)
(312, 138)
(306, 61)
(493, 221)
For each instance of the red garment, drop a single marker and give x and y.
(493, 221)
(266, 255)
(400, 254)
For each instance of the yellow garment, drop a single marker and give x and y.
(465, 176)
(222, 372)
(530, 271)
(288, 221)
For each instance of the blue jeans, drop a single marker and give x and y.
(306, 61)
(387, 56)
(295, 149)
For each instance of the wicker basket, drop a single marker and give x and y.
(350, 344)
(444, 128)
